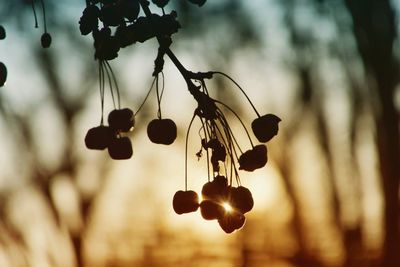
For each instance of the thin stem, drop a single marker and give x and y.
(44, 15)
(240, 88)
(101, 85)
(186, 149)
(115, 83)
(240, 120)
(228, 130)
(110, 84)
(147, 95)
(206, 136)
(34, 13)
(158, 99)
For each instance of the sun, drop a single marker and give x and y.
(228, 208)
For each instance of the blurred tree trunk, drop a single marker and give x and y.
(375, 32)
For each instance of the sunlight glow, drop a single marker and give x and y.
(228, 208)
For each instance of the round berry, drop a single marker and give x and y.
(45, 40)
(185, 201)
(162, 131)
(265, 127)
(120, 148)
(2, 33)
(121, 120)
(98, 137)
(3, 74)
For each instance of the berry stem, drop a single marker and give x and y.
(44, 15)
(147, 95)
(115, 84)
(240, 120)
(186, 149)
(101, 85)
(240, 88)
(34, 13)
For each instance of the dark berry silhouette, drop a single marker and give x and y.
(197, 2)
(89, 19)
(253, 159)
(2, 33)
(130, 9)
(121, 120)
(45, 40)
(185, 201)
(231, 221)
(123, 36)
(162, 131)
(215, 190)
(211, 210)
(240, 199)
(111, 15)
(3, 74)
(265, 127)
(120, 148)
(98, 137)
(160, 3)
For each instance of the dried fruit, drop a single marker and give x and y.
(121, 120)
(120, 148)
(162, 131)
(98, 137)
(185, 201)
(45, 40)
(265, 127)
(254, 158)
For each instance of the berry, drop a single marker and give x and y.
(231, 221)
(160, 3)
(98, 137)
(89, 20)
(211, 210)
(197, 2)
(265, 127)
(185, 201)
(130, 9)
(215, 190)
(121, 120)
(2, 33)
(241, 199)
(110, 15)
(254, 158)
(3, 74)
(162, 131)
(120, 148)
(45, 40)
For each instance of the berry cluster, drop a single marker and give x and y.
(223, 197)
(3, 68)
(122, 26)
(120, 121)
(221, 200)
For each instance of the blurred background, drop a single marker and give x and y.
(329, 195)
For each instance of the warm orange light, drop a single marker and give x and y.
(227, 207)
